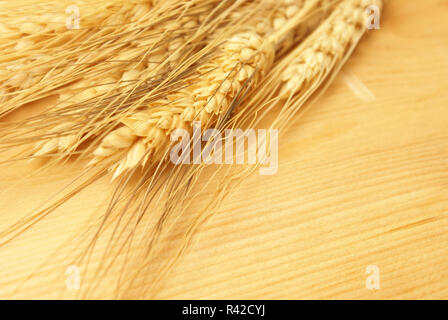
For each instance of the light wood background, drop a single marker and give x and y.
(362, 180)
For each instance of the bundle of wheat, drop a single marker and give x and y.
(164, 65)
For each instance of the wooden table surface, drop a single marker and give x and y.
(362, 185)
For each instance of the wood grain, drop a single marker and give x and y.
(361, 181)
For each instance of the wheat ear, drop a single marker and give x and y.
(328, 46)
(244, 57)
(308, 70)
(150, 130)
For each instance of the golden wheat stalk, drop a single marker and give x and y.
(309, 68)
(246, 57)
(328, 46)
